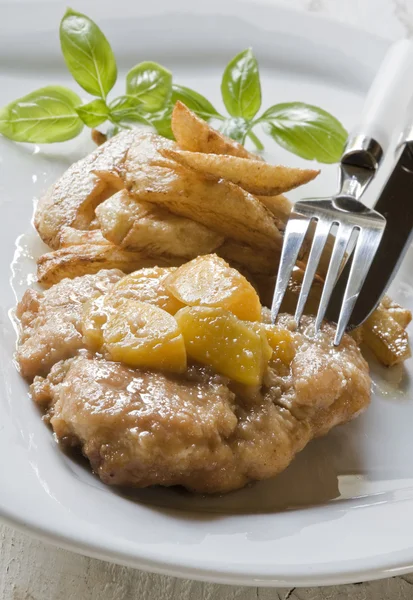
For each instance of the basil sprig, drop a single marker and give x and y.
(151, 84)
(88, 54)
(46, 115)
(56, 114)
(306, 130)
(241, 86)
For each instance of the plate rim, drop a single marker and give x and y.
(217, 573)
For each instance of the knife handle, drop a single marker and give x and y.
(385, 103)
(406, 136)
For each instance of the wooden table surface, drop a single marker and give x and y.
(32, 570)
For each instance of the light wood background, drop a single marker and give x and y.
(31, 570)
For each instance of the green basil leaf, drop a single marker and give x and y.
(44, 116)
(237, 129)
(151, 84)
(87, 53)
(124, 108)
(93, 114)
(241, 87)
(126, 113)
(194, 101)
(306, 130)
(161, 121)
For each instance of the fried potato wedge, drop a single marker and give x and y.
(194, 134)
(279, 206)
(84, 259)
(254, 176)
(219, 205)
(72, 200)
(241, 255)
(70, 236)
(134, 225)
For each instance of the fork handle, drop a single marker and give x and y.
(385, 103)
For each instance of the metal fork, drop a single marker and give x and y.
(361, 158)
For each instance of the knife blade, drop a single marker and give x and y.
(395, 203)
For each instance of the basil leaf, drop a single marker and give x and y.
(44, 116)
(93, 114)
(87, 53)
(237, 129)
(194, 101)
(161, 121)
(306, 130)
(241, 87)
(123, 108)
(126, 110)
(150, 83)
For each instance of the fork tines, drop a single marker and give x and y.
(367, 225)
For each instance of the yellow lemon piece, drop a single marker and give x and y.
(215, 337)
(210, 281)
(147, 285)
(281, 342)
(145, 336)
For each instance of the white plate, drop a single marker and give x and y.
(343, 511)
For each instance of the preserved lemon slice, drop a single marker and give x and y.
(147, 285)
(280, 340)
(210, 281)
(145, 336)
(215, 337)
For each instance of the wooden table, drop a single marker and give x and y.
(31, 570)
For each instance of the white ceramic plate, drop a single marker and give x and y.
(343, 511)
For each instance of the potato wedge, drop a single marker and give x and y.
(386, 338)
(279, 206)
(254, 176)
(84, 259)
(241, 255)
(194, 134)
(143, 226)
(219, 205)
(70, 236)
(72, 200)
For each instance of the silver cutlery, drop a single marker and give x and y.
(395, 203)
(358, 229)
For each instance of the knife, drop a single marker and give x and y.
(395, 203)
